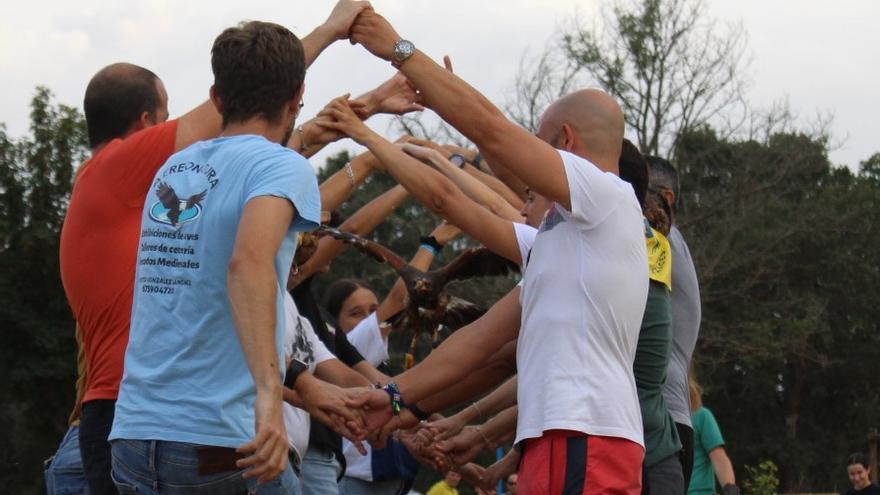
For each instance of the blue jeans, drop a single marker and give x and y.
(64, 471)
(320, 469)
(159, 467)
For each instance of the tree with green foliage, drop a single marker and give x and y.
(36, 327)
(783, 247)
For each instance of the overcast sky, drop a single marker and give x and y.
(821, 56)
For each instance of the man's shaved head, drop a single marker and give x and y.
(595, 118)
(116, 99)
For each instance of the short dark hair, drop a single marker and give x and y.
(857, 458)
(116, 97)
(634, 169)
(337, 293)
(258, 67)
(663, 175)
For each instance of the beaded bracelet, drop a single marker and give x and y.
(393, 392)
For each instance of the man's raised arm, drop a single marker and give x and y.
(428, 186)
(502, 142)
(204, 121)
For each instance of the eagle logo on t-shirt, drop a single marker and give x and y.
(172, 210)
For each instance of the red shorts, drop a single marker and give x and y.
(563, 462)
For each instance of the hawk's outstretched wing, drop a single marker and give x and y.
(477, 262)
(460, 313)
(377, 251)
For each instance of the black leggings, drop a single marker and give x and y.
(686, 435)
(94, 429)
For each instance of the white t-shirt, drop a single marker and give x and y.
(525, 237)
(583, 298)
(367, 338)
(302, 343)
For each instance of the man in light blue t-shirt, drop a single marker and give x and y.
(201, 393)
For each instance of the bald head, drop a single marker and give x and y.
(117, 99)
(589, 123)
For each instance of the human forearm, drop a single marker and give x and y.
(501, 398)
(500, 366)
(394, 96)
(370, 372)
(252, 288)
(429, 186)
(371, 215)
(395, 301)
(333, 371)
(509, 179)
(443, 197)
(499, 428)
(475, 189)
(292, 397)
(503, 143)
(364, 221)
(308, 139)
(315, 42)
(464, 351)
(336, 27)
(535, 162)
(339, 186)
(515, 200)
(723, 466)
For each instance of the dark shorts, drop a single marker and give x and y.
(573, 463)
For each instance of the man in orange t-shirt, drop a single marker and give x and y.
(130, 137)
(126, 111)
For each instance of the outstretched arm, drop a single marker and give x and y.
(500, 366)
(470, 185)
(515, 195)
(430, 187)
(464, 351)
(336, 27)
(503, 143)
(364, 221)
(339, 186)
(204, 122)
(394, 96)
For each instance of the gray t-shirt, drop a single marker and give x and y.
(685, 328)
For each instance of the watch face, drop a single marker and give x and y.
(457, 159)
(403, 49)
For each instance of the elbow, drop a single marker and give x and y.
(490, 131)
(442, 197)
(245, 265)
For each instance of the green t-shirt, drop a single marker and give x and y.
(707, 437)
(649, 368)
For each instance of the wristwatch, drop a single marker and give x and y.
(403, 50)
(457, 159)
